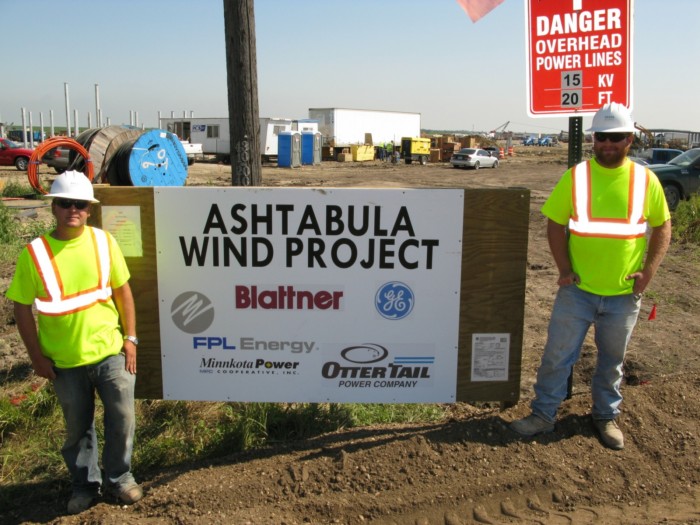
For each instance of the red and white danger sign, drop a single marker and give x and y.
(579, 55)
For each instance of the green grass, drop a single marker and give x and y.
(686, 221)
(15, 234)
(15, 189)
(171, 433)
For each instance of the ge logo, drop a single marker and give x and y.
(394, 300)
(192, 312)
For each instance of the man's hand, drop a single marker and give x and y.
(130, 354)
(641, 281)
(568, 279)
(43, 367)
(558, 244)
(658, 244)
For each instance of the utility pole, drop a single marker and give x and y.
(242, 75)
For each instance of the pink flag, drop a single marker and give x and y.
(478, 8)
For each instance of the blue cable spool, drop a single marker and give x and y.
(155, 158)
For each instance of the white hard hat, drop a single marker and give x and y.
(72, 185)
(613, 117)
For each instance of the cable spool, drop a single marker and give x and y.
(155, 158)
(96, 141)
(44, 147)
(125, 135)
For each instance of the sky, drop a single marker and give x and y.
(422, 56)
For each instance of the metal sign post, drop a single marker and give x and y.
(575, 140)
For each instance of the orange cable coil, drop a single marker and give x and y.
(44, 147)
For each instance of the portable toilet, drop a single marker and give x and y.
(310, 147)
(289, 149)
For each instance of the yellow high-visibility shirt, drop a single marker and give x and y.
(602, 262)
(86, 336)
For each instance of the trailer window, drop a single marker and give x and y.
(213, 132)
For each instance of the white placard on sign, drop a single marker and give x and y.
(490, 357)
(309, 295)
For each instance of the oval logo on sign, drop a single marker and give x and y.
(192, 312)
(394, 300)
(364, 354)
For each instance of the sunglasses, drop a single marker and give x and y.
(601, 136)
(67, 203)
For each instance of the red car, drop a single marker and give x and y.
(12, 153)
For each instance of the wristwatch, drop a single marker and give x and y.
(132, 338)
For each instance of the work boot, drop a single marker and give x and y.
(610, 433)
(79, 502)
(128, 495)
(531, 426)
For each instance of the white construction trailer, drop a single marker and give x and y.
(214, 135)
(342, 127)
(270, 128)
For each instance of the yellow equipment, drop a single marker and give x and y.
(415, 148)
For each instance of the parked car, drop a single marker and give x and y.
(639, 160)
(17, 135)
(192, 151)
(546, 141)
(493, 150)
(57, 158)
(530, 141)
(474, 158)
(12, 153)
(657, 155)
(680, 178)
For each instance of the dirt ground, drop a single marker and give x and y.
(469, 468)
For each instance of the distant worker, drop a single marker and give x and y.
(86, 339)
(381, 152)
(391, 152)
(607, 204)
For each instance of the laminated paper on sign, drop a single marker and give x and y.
(362, 153)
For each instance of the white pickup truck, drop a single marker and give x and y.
(193, 151)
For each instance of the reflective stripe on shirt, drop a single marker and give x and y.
(57, 302)
(582, 223)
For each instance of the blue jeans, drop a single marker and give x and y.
(574, 312)
(75, 389)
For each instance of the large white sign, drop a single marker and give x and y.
(309, 295)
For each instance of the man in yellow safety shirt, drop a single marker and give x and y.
(598, 215)
(86, 341)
